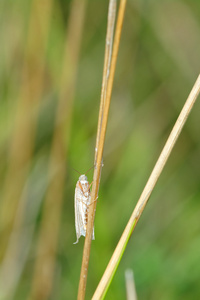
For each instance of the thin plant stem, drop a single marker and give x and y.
(130, 285)
(119, 250)
(30, 92)
(99, 154)
(16, 255)
(106, 69)
(49, 232)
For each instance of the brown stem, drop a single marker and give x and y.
(99, 154)
(119, 250)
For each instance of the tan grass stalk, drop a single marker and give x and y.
(99, 152)
(106, 68)
(22, 143)
(49, 232)
(119, 250)
(20, 240)
(130, 285)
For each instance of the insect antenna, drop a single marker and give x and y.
(89, 170)
(76, 171)
(85, 172)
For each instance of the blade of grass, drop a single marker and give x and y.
(99, 153)
(130, 285)
(22, 143)
(119, 250)
(48, 236)
(16, 255)
(106, 69)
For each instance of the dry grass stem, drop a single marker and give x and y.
(130, 285)
(116, 257)
(99, 153)
(106, 68)
(47, 245)
(16, 254)
(21, 147)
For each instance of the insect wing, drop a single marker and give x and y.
(80, 209)
(81, 204)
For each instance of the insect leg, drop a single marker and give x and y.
(92, 202)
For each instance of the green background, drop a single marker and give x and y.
(157, 66)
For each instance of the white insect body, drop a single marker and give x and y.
(81, 203)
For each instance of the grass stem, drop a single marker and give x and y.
(119, 250)
(49, 232)
(103, 119)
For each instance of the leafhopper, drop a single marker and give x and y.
(82, 201)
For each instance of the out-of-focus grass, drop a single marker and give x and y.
(157, 66)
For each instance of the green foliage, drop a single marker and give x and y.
(157, 66)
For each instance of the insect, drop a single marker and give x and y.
(81, 204)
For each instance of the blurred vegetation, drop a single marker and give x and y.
(48, 121)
